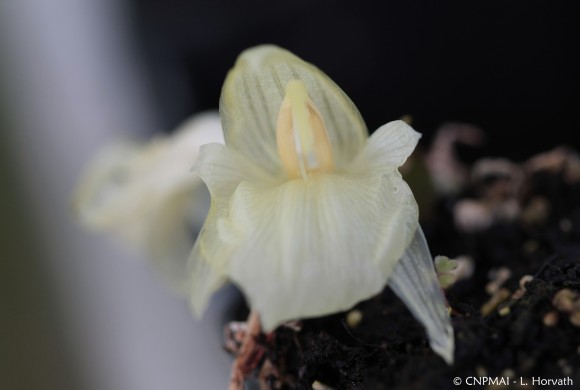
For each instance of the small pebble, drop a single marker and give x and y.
(525, 279)
(522, 289)
(320, 386)
(550, 318)
(508, 372)
(408, 119)
(497, 278)
(504, 311)
(500, 296)
(575, 318)
(564, 300)
(353, 318)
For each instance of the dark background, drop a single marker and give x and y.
(509, 67)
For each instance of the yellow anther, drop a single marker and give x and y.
(301, 135)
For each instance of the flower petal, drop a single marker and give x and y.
(308, 248)
(205, 277)
(252, 97)
(394, 238)
(414, 280)
(388, 147)
(222, 169)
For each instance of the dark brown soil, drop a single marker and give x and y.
(389, 350)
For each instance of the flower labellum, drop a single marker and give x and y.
(309, 215)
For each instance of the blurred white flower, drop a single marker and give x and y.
(309, 216)
(144, 193)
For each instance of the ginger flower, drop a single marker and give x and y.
(309, 215)
(144, 194)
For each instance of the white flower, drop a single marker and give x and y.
(146, 195)
(309, 216)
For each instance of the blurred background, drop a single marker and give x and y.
(80, 312)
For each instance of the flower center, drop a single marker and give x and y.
(301, 135)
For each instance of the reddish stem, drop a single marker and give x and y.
(249, 355)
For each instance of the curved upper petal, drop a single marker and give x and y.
(252, 96)
(387, 148)
(310, 248)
